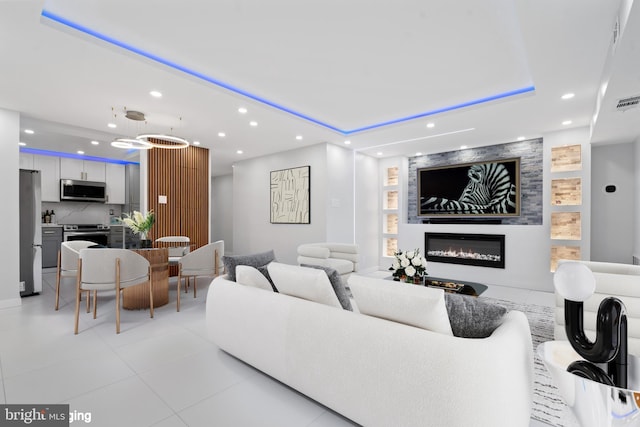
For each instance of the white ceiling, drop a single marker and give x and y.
(320, 69)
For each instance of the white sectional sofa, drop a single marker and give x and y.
(619, 280)
(374, 371)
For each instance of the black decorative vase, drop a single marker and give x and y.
(610, 346)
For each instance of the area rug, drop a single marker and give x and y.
(548, 407)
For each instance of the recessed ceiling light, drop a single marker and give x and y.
(242, 110)
(567, 122)
(155, 94)
(196, 142)
(464, 147)
(254, 124)
(379, 153)
(419, 153)
(112, 125)
(80, 152)
(222, 134)
(29, 131)
(95, 143)
(521, 138)
(430, 125)
(568, 95)
(22, 144)
(347, 142)
(299, 137)
(239, 151)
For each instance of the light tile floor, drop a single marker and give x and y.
(157, 372)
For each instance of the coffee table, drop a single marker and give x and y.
(463, 287)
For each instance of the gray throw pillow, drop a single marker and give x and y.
(471, 317)
(254, 260)
(336, 283)
(265, 271)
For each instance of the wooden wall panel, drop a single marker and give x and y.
(563, 252)
(566, 226)
(183, 176)
(567, 191)
(566, 158)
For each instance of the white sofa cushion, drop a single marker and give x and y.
(250, 276)
(413, 305)
(302, 282)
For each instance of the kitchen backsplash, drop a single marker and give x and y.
(83, 213)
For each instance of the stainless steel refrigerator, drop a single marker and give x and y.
(30, 233)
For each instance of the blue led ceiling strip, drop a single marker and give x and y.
(61, 20)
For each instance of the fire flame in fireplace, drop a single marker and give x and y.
(464, 254)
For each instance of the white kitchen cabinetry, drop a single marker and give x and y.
(115, 179)
(49, 168)
(82, 169)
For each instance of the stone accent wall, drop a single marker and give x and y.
(530, 154)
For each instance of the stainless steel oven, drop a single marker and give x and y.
(97, 233)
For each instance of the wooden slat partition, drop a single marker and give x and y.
(183, 176)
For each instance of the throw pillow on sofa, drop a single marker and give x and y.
(254, 260)
(413, 305)
(471, 317)
(251, 276)
(336, 283)
(302, 282)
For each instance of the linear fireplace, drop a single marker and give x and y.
(484, 250)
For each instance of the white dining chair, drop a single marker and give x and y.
(204, 261)
(68, 263)
(110, 269)
(178, 246)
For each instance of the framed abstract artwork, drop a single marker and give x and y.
(291, 196)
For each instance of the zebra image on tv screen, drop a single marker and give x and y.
(487, 188)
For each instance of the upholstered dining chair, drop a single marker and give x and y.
(204, 261)
(110, 269)
(68, 263)
(178, 246)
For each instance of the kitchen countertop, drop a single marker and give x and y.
(44, 225)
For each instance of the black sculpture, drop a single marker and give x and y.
(575, 282)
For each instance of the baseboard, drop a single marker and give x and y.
(12, 302)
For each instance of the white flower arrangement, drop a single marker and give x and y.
(409, 264)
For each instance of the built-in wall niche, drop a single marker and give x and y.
(563, 252)
(390, 246)
(566, 226)
(391, 176)
(391, 223)
(391, 199)
(566, 192)
(566, 158)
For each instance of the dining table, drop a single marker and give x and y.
(137, 297)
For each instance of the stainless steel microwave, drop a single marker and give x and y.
(83, 191)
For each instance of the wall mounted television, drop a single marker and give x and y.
(487, 188)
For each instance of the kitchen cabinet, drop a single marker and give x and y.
(49, 168)
(86, 170)
(115, 179)
(51, 240)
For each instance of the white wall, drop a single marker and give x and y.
(340, 194)
(636, 186)
(252, 230)
(9, 138)
(222, 211)
(612, 214)
(367, 207)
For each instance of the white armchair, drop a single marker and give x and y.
(204, 261)
(612, 280)
(342, 257)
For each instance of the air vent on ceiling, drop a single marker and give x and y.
(627, 103)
